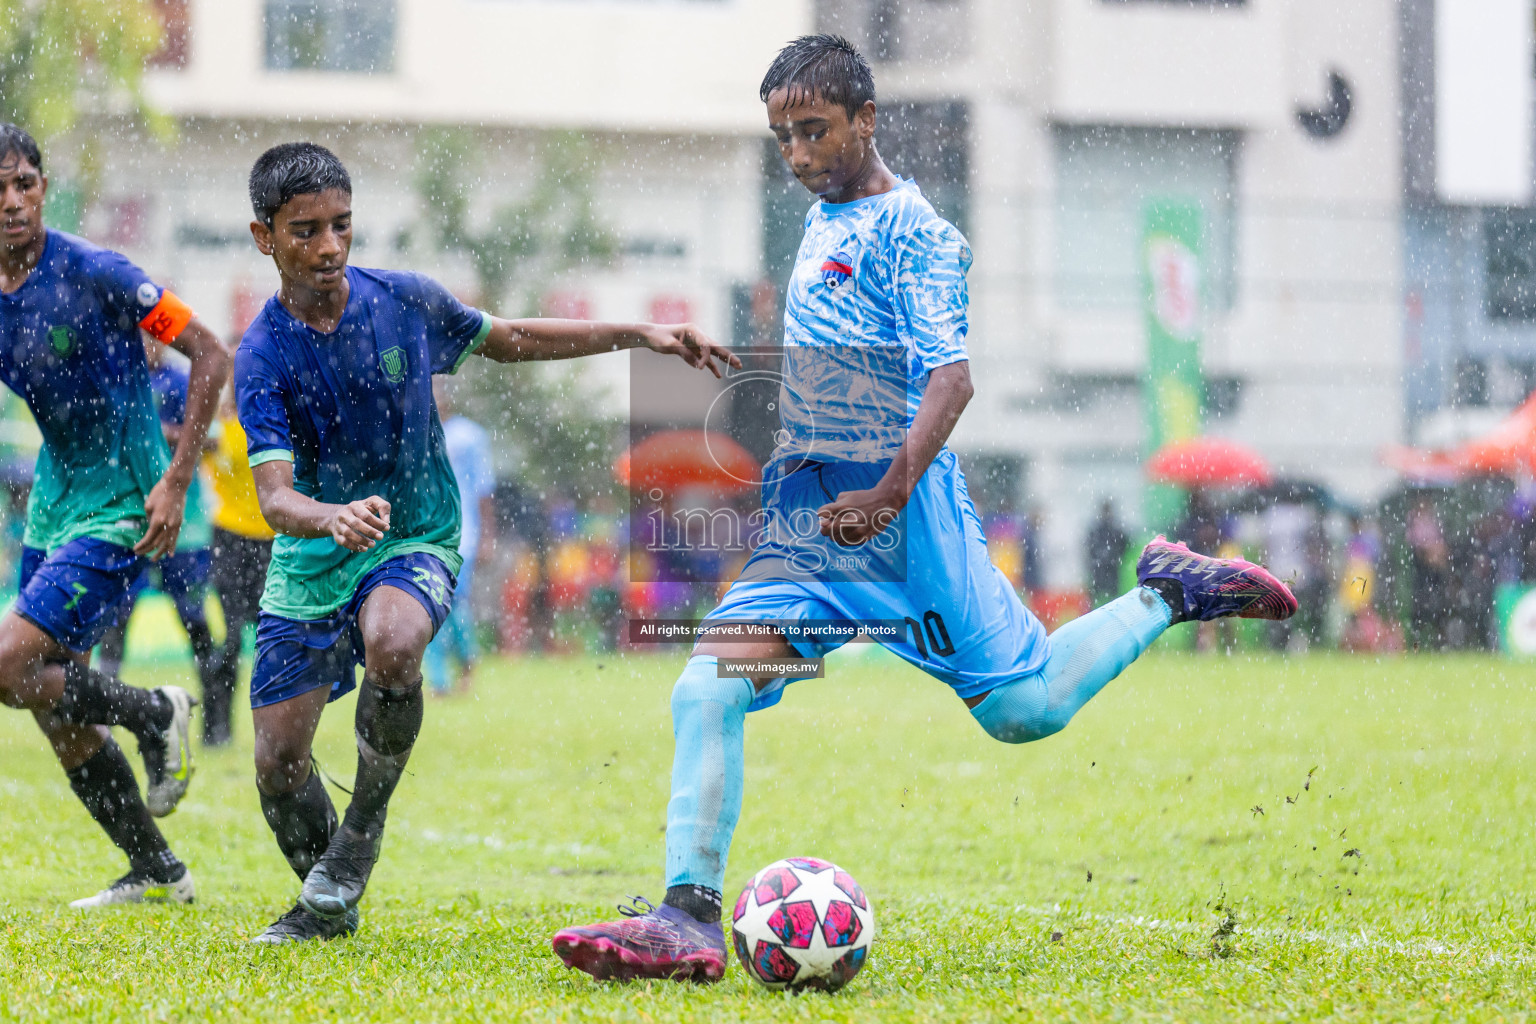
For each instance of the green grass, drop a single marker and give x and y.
(1396, 886)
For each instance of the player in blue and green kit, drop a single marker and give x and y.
(182, 576)
(868, 517)
(108, 497)
(333, 382)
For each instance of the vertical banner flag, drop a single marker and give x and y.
(1172, 295)
(1515, 606)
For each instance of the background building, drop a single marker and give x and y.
(1042, 129)
(1469, 226)
(642, 117)
(1071, 115)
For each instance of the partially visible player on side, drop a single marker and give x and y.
(469, 452)
(183, 575)
(242, 547)
(334, 386)
(108, 497)
(880, 279)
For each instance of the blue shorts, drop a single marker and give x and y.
(294, 656)
(182, 577)
(965, 623)
(75, 593)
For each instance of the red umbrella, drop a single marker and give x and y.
(1508, 449)
(1422, 465)
(674, 459)
(1208, 462)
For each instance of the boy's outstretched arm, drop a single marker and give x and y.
(165, 505)
(514, 341)
(356, 526)
(855, 516)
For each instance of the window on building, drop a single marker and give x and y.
(330, 35)
(1509, 248)
(930, 31)
(176, 20)
(1104, 178)
(930, 142)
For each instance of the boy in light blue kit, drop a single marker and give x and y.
(875, 378)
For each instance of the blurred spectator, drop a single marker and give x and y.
(1430, 565)
(1364, 629)
(242, 548)
(1287, 553)
(1005, 546)
(1470, 623)
(1200, 528)
(1033, 541)
(183, 574)
(469, 452)
(1107, 542)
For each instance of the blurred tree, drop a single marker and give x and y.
(546, 418)
(527, 243)
(59, 55)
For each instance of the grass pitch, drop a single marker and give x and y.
(1211, 839)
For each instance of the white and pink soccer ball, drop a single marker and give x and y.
(802, 923)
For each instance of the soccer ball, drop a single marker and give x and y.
(802, 923)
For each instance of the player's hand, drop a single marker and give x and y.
(695, 347)
(853, 517)
(359, 525)
(164, 507)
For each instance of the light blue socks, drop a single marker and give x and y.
(708, 714)
(1086, 654)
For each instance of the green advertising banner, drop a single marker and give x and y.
(1172, 297)
(1515, 605)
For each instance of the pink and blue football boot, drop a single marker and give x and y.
(656, 942)
(1215, 588)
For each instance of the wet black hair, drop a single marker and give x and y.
(17, 140)
(294, 169)
(824, 65)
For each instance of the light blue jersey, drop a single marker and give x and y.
(469, 452)
(877, 301)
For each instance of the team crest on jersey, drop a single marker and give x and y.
(63, 339)
(392, 360)
(837, 272)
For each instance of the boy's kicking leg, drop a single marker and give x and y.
(73, 705)
(100, 776)
(295, 804)
(684, 939)
(300, 667)
(39, 675)
(1175, 585)
(396, 630)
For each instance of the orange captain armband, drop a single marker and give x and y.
(168, 319)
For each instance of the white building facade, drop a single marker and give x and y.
(1042, 128)
(661, 97)
(1080, 111)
